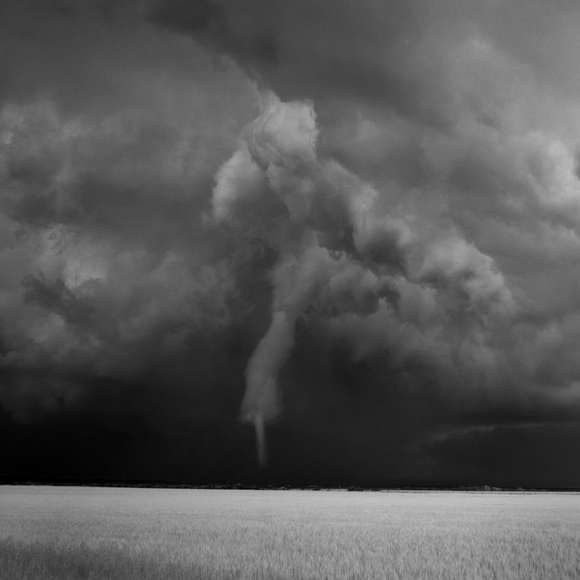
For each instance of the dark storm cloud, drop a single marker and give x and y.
(541, 455)
(355, 221)
(111, 134)
(409, 55)
(306, 49)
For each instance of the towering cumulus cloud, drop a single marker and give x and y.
(353, 225)
(323, 227)
(339, 247)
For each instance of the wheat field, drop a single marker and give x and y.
(164, 534)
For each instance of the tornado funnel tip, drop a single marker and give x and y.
(260, 428)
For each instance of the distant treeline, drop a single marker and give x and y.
(181, 485)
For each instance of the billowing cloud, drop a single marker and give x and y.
(356, 226)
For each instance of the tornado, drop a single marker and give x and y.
(261, 400)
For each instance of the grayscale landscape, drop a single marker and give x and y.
(252, 247)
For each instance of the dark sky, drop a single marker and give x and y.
(354, 225)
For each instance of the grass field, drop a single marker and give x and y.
(160, 534)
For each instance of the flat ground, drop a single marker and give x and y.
(162, 534)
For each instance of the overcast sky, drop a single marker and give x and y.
(351, 226)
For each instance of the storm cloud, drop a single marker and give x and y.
(355, 225)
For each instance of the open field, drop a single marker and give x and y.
(162, 534)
